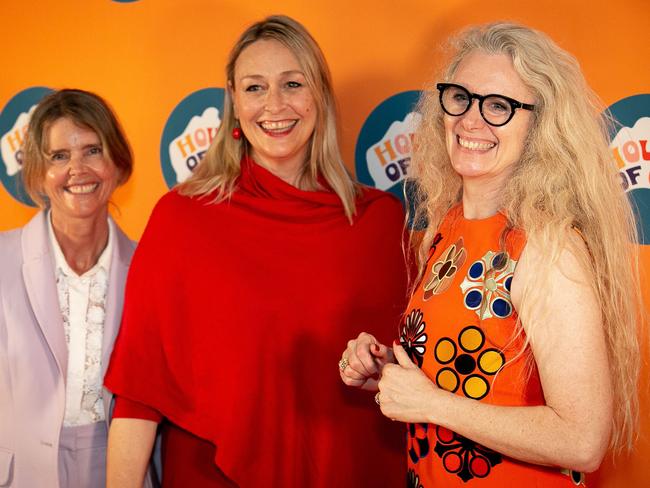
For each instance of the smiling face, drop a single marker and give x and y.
(275, 107)
(478, 151)
(79, 178)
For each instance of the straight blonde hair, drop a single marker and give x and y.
(220, 166)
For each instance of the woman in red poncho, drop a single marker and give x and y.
(246, 280)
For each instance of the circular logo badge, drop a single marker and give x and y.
(383, 150)
(13, 125)
(631, 148)
(188, 132)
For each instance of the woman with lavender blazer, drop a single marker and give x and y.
(61, 289)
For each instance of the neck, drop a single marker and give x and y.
(481, 199)
(81, 240)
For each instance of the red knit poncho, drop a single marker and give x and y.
(236, 315)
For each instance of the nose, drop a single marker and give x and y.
(274, 101)
(472, 119)
(77, 163)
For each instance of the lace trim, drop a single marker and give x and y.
(89, 380)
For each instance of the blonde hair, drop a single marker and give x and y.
(566, 178)
(220, 166)
(85, 109)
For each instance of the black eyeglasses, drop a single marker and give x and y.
(496, 110)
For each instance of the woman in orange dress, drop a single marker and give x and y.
(517, 359)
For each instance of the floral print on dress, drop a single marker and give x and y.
(412, 336)
(413, 480)
(434, 243)
(463, 457)
(486, 288)
(418, 441)
(443, 271)
(466, 363)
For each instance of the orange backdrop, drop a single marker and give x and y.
(146, 56)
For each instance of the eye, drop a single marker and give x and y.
(58, 157)
(498, 106)
(95, 150)
(294, 84)
(459, 97)
(253, 88)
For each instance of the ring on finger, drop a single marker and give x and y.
(343, 363)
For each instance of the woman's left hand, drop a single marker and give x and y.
(405, 392)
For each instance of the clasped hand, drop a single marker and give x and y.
(405, 392)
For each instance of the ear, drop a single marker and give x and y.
(121, 177)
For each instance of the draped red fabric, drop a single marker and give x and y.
(235, 318)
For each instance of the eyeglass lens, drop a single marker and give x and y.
(495, 110)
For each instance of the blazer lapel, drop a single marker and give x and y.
(40, 283)
(122, 251)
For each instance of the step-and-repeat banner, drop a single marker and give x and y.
(160, 64)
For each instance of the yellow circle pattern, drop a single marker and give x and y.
(447, 379)
(471, 339)
(490, 361)
(445, 351)
(475, 387)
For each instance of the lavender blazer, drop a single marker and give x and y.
(33, 351)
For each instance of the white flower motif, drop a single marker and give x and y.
(486, 288)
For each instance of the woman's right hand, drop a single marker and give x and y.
(363, 360)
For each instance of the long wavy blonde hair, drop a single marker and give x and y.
(220, 166)
(566, 178)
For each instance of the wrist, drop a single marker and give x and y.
(436, 405)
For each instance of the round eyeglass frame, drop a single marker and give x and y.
(514, 104)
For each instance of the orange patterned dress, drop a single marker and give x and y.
(460, 328)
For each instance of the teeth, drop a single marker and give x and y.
(476, 146)
(82, 189)
(277, 125)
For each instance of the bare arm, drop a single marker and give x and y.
(130, 442)
(572, 430)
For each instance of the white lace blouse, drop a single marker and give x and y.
(82, 300)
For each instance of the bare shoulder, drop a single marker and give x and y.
(561, 270)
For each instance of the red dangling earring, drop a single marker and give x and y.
(236, 133)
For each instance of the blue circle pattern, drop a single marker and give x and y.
(501, 308)
(476, 270)
(473, 299)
